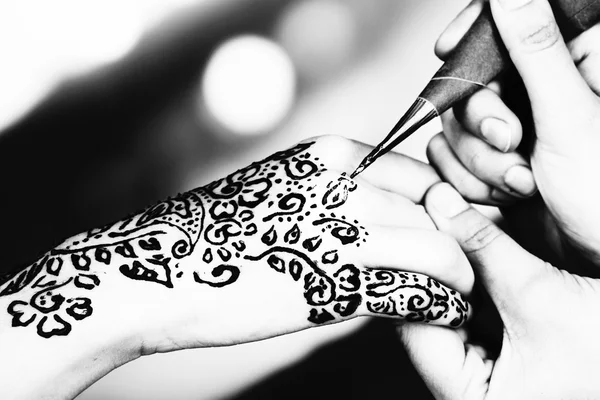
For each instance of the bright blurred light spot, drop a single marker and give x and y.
(45, 42)
(249, 85)
(319, 35)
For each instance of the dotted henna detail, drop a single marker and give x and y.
(144, 247)
(301, 232)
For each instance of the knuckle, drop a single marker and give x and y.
(330, 142)
(470, 187)
(483, 235)
(336, 149)
(540, 36)
(475, 162)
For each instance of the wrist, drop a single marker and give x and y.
(32, 366)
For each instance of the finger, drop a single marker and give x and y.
(451, 169)
(409, 296)
(392, 172)
(586, 55)
(495, 86)
(455, 31)
(506, 171)
(536, 47)
(400, 174)
(506, 270)
(486, 116)
(387, 208)
(418, 250)
(450, 369)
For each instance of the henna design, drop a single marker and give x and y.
(231, 275)
(290, 204)
(216, 226)
(139, 246)
(337, 193)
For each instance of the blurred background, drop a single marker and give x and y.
(108, 106)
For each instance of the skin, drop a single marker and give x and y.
(477, 150)
(548, 317)
(285, 244)
(549, 328)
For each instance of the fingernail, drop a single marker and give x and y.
(513, 4)
(497, 132)
(502, 197)
(447, 202)
(520, 179)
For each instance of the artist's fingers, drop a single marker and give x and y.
(554, 84)
(457, 29)
(442, 157)
(506, 270)
(392, 172)
(486, 116)
(418, 250)
(585, 52)
(506, 171)
(412, 297)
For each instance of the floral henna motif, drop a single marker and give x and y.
(145, 247)
(218, 225)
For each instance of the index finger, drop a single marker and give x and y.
(393, 172)
(455, 31)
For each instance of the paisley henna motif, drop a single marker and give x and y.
(216, 226)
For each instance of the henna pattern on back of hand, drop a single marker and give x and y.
(278, 214)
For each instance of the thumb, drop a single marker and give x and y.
(506, 270)
(536, 47)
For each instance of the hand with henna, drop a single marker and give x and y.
(285, 244)
(538, 129)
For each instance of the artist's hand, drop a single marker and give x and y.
(551, 319)
(477, 153)
(284, 244)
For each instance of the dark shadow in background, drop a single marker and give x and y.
(369, 364)
(117, 141)
(107, 145)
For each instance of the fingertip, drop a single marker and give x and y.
(502, 198)
(443, 202)
(451, 169)
(444, 45)
(455, 31)
(498, 133)
(485, 115)
(505, 133)
(521, 181)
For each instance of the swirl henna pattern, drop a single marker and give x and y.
(255, 217)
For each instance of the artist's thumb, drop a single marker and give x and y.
(559, 95)
(506, 270)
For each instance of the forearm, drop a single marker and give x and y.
(31, 367)
(59, 331)
(83, 308)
